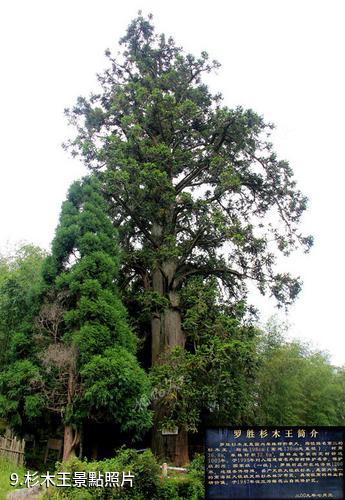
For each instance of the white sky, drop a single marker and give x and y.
(283, 58)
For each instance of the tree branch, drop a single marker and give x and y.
(190, 269)
(193, 243)
(130, 212)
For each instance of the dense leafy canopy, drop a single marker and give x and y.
(297, 385)
(20, 286)
(20, 292)
(186, 203)
(81, 362)
(190, 180)
(94, 338)
(196, 191)
(210, 381)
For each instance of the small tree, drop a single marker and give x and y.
(195, 187)
(20, 287)
(211, 381)
(296, 385)
(20, 299)
(88, 348)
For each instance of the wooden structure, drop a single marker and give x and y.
(53, 444)
(165, 469)
(12, 448)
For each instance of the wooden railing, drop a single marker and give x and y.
(165, 469)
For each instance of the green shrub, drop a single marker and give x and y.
(6, 469)
(145, 468)
(147, 483)
(180, 488)
(197, 466)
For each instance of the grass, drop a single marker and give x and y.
(6, 469)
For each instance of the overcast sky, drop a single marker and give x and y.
(283, 58)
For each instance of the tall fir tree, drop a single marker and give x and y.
(88, 349)
(195, 187)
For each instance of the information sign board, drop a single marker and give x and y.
(274, 463)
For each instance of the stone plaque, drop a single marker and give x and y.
(274, 463)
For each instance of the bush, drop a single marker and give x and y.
(147, 483)
(180, 488)
(6, 469)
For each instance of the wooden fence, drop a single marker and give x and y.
(12, 448)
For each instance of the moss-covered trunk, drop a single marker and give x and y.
(167, 333)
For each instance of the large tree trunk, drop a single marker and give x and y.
(70, 442)
(71, 436)
(171, 448)
(167, 333)
(166, 326)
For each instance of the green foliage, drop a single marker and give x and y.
(297, 386)
(20, 294)
(196, 191)
(147, 482)
(16, 389)
(197, 466)
(6, 469)
(20, 287)
(66, 337)
(111, 384)
(87, 265)
(94, 341)
(201, 204)
(212, 380)
(185, 174)
(212, 383)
